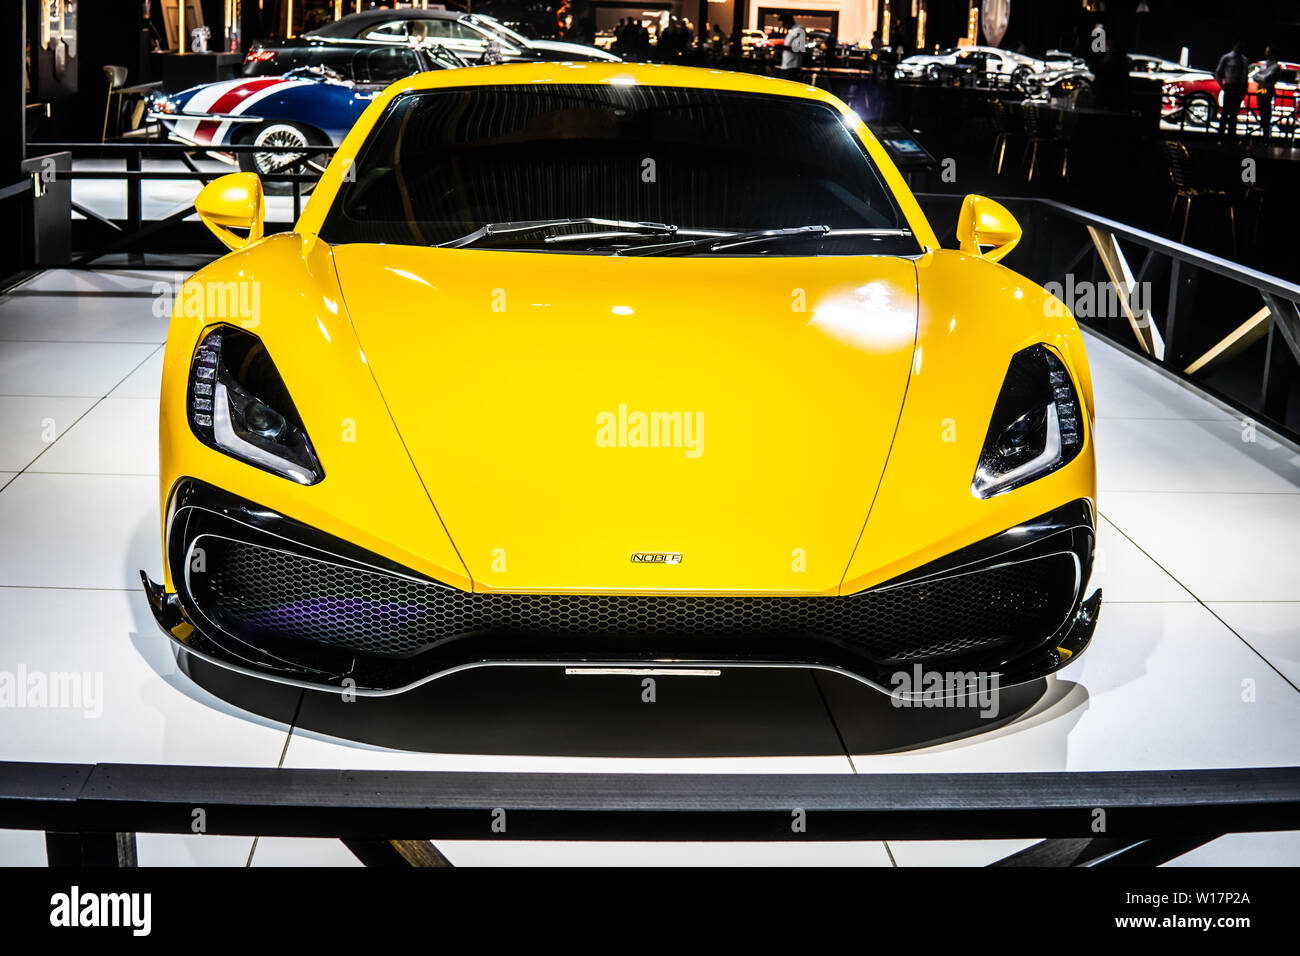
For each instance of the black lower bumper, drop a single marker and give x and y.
(262, 593)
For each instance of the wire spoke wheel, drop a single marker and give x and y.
(1200, 112)
(271, 161)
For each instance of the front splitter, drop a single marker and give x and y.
(172, 620)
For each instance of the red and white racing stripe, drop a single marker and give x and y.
(231, 98)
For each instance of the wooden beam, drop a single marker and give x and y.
(1121, 279)
(1235, 342)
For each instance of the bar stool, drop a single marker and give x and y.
(1188, 184)
(1040, 132)
(1001, 119)
(116, 76)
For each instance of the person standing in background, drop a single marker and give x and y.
(796, 42)
(1231, 74)
(1270, 71)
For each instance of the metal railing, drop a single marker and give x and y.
(91, 812)
(131, 232)
(1166, 312)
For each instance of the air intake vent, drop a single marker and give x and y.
(252, 591)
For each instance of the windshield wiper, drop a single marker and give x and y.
(614, 228)
(716, 243)
(557, 238)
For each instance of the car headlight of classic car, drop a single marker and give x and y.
(160, 104)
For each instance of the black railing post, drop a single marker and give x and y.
(134, 188)
(90, 849)
(1182, 293)
(13, 135)
(1273, 391)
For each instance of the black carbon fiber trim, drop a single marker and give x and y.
(255, 592)
(273, 596)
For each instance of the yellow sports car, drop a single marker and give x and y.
(610, 365)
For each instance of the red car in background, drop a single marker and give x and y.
(1197, 101)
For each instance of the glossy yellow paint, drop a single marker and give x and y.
(371, 494)
(789, 377)
(459, 395)
(973, 316)
(985, 222)
(233, 202)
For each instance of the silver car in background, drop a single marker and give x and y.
(470, 36)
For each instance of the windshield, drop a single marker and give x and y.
(496, 25)
(441, 56)
(443, 163)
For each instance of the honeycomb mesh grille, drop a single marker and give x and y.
(251, 591)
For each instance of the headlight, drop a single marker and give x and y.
(239, 405)
(160, 103)
(1035, 427)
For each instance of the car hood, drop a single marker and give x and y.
(527, 388)
(234, 96)
(573, 49)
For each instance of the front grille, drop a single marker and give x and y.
(255, 592)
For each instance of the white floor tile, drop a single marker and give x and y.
(474, 853)
(145, 381)
(293, 851)
(22, 848)
(79, 531)
(1246, 849)
(27, 848)
(119, 436)
(1272, 629)
(1222, 547)
(1236, 849)
(79, 318)
(90, 281)
(1124, 388)
(172, 849)
(954, 852)
(1125, 574)
(285, 852)
(1162, 455)
(128, 702)
(67, 368)
(29, 424)
(1160, 687)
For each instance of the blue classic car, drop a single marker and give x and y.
(312, 104)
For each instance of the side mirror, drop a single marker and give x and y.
(983, 222)
(233, 202)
